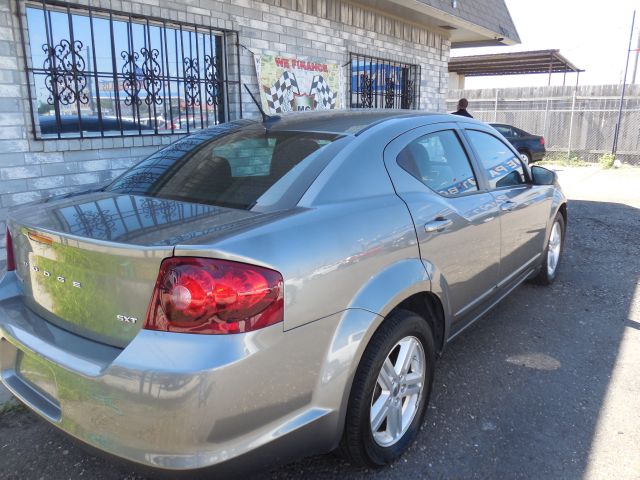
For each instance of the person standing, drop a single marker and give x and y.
(463, 103)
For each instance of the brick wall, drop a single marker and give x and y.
(315, 29)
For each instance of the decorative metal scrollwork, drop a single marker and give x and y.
(182, 146)
(408, 94)
(96, 222)
(138, 182)
(122, 75)
(130, 72)
(191, 81)
(389, 92)
(366, 91)
(154, 208)
(65, 79)
(152, 73)
(212, 81)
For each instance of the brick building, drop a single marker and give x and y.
(90, 87)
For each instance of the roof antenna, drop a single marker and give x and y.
(265, 118)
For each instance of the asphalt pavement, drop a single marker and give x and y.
(545, 386)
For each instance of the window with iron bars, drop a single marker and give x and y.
(94, 72)
(379, 83)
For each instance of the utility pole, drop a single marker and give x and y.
(635, 66)
(614, 149)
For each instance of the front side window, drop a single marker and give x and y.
(247, 167)
(501, 166)
(439, 161)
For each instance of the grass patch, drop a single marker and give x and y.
(564, 160)
(607, 160)
(12, 406)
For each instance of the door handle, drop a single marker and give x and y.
(507, 206)
(437, 225)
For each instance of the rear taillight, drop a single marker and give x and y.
(211, 296)
(541, 140)
(11, 260)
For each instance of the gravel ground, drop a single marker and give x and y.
(545, 386)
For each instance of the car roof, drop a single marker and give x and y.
(346, 122)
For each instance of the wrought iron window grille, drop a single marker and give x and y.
(94, 72)
(379, 83)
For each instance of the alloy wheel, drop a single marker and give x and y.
(555, 244)
(398, 390)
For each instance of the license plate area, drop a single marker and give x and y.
(37, 374)
(31, 379)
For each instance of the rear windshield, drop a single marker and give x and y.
(239, 169)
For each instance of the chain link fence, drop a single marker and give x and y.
(575, 122)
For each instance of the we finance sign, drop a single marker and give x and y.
(291, 84)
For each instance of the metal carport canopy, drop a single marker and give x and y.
(512, 63)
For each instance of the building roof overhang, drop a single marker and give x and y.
(465, 25)
(512, 63)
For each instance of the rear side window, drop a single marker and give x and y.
(439, 161)
(236, 170)
(501, 166)
(504, 130)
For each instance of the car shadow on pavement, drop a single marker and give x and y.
(518, 395)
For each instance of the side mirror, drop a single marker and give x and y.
(543, 176)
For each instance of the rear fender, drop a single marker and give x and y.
(350, 339)
(386, 290)
(373, 302)
(391, 286)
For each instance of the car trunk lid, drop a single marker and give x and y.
(89, 264)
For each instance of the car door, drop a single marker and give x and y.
(456, 221)
(524, 207)
(519, 139)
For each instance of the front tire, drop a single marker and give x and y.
(553, 253)
(390, 391)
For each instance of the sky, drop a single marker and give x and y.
(593, 35)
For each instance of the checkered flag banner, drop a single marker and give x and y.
(325, 98)
(279, 96)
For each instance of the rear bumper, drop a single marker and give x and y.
(185, 402)
(538, 155)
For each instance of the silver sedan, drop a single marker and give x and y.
(260, 291)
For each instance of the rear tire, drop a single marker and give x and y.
(526, 157)
(385, 383)
(552, 253)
